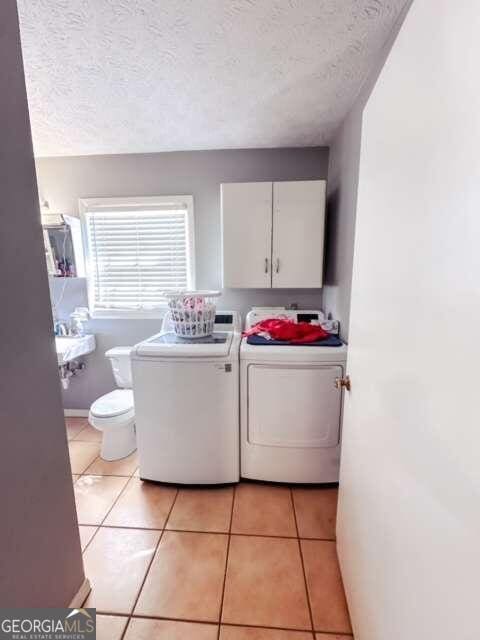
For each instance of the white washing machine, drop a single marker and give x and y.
(186, 395)
(290, 406)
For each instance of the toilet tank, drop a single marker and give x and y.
(120, 360)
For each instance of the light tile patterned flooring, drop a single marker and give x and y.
(251, 562)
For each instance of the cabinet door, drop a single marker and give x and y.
(298, 234)
(246, 234)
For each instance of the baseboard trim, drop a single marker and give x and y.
(75, 413)
(81, 595)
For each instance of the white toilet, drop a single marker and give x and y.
(114, 413)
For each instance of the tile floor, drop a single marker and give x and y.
(251, 562)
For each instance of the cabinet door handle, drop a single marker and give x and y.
(277, 265)
(266, 265)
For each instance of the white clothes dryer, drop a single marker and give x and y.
(290, 406)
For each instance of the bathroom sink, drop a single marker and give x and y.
(72, 347)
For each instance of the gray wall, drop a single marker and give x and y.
(343, 173)
(62, 181)
(341, 212)
(40, 557)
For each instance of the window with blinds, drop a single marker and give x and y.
(138, 251)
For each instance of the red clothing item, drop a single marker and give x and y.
(288, 331)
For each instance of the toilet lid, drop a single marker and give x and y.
(113, 404)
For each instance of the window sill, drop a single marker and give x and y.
(127, 314)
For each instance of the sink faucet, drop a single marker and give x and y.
(61, 329)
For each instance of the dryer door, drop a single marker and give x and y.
(294, 405)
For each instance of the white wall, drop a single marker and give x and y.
(409, 514)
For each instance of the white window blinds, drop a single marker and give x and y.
(136, 254)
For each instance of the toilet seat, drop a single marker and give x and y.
(115, 403)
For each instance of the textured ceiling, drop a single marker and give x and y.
(131, 76)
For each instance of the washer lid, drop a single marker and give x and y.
(113, 404)
(170, 345)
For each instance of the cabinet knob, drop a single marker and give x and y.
(343, 382)
(266, 265)
(277, 265)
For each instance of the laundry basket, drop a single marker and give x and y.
(192, 312)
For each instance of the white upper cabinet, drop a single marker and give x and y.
(273, 234)
(298, 234)
(246, 232)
